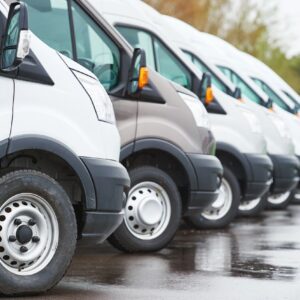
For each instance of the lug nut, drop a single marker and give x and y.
(35, 239)
(17, 222)
(12, 238)
(31, 222)
(23, 249)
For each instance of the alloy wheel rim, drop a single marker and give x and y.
(29, 234)
(218, 209)
(147, 211)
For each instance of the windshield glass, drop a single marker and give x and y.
(239, 82)
(275, 98)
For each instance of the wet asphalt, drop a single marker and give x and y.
(252, 259)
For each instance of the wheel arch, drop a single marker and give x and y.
(165, 147)
(235, 160)
(58, 149)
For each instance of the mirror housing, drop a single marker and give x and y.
(269, 104)
(15, 44)
(237, 94)
(138, 76)
(206, 92)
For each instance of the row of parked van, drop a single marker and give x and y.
(206, 133)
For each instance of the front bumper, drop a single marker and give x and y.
(111, 181)
(286, 173)
(209, 171)
(260, 176)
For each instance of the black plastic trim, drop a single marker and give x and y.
(3, 147)
(126, 151)
(111, 181)
(176, 152)
(238, 155)
(38, 142)
(98, 226)
(286, 173)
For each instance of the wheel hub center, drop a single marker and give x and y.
(150, 211)
(24, 234)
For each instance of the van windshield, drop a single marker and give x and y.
(72, 32)
(272, 95)
(204, 69)
(247, 91)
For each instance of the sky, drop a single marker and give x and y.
(288, 31)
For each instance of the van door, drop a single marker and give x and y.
(6, 96)
(66, 27)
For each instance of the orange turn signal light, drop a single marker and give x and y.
(209, 97)
(143, 77)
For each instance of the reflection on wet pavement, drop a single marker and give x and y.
(253, 259)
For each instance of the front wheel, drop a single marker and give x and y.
(38, 232)
(280, 201)
(223, 211)
(152, 212)
(254, 207)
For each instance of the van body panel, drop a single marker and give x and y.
(6, 112)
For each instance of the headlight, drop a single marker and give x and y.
(99, 97)
(252, 121)
(280, 126)
(198, 110)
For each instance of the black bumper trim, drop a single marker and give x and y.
(261, 170)
(100, 225)
(110, 180)
(209, 172)
(286, 173)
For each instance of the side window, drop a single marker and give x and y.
(158, 55)
(49, 20)
(239, 82)
(139, 39)
(170, 67)
(204, 69)
(271, 94)
(95, 50)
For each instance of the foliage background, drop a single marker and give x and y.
(247, 25)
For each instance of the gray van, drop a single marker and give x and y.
(167, 144)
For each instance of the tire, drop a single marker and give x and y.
(30, 203)
(226, 213)
(280, 205)
(140, 230)
(254, 208)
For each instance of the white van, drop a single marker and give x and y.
(248, 170)
(195, 45)
(285, 106)
(60, 175)
(280, 144)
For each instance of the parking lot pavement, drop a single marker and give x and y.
(253, 259)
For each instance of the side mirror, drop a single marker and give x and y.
(206, 92)
(15, 44)
(138, 76)
(237, 94)
(269, 104)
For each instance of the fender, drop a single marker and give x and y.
(37, 142)
(238, 155)
(3, 147)
(158, 144)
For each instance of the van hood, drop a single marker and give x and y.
(181, 89)
(76, 67)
